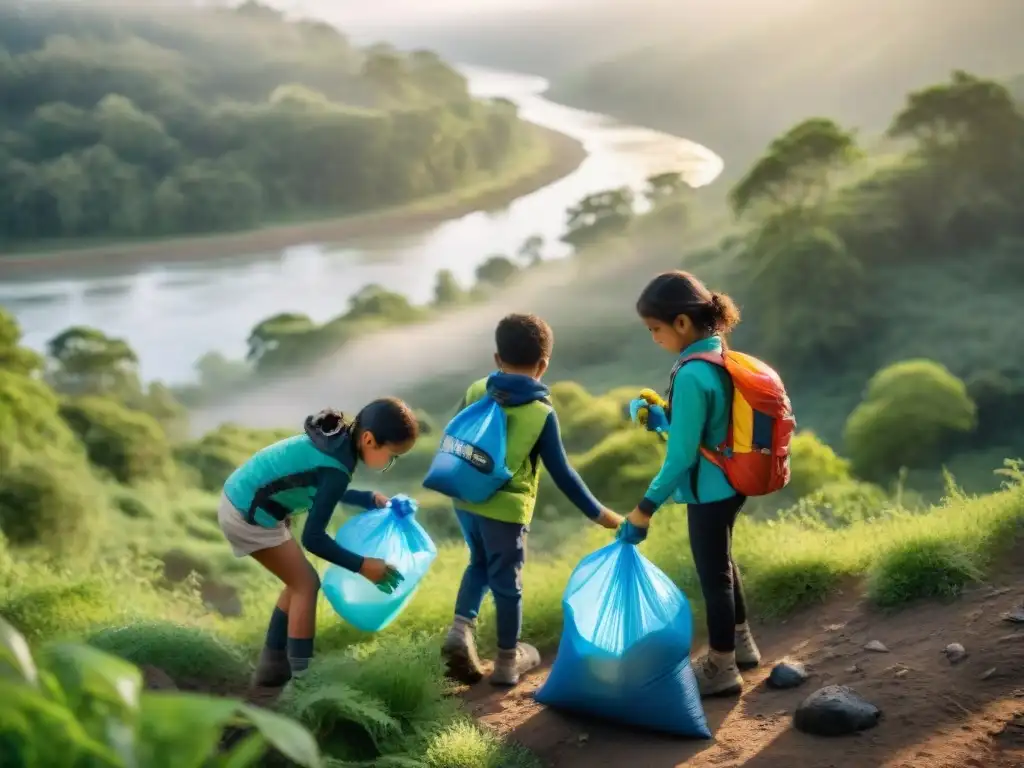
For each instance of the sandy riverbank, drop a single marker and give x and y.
(562, 155)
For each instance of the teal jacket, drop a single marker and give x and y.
(701, 400)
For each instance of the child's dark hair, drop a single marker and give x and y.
(388, 419)
(523, 340)
(676, 293)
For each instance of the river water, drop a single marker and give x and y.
(172, 314)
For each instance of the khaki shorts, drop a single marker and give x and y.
(245, 538)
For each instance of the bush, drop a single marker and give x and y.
(585, 420)
(29, 417)
(620, 467)
(814, 465)
(908, 415)
(64, 610)
(54, 505)
(130, 445)
(920, 568)
(192, 657)
(219, 452)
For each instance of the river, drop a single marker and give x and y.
(172, 314)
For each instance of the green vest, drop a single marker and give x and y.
(514, 503)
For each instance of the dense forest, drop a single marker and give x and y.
(125, 122)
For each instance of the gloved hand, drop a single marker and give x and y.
(648, 415)
(631, 534)
(390, 581)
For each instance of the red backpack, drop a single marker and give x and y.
(755, 454)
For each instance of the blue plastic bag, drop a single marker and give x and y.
(470, 464)
(393, 535)
(625, 648)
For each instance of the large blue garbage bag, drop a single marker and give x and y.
(625, 648)
(394, 535)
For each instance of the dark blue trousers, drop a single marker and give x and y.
(497, 552)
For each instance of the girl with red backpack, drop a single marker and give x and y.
(728, 423)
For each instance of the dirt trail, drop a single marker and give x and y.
(935, 714)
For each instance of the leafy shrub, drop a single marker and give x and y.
(130, 445)
(908, 415)
(189, 655)
(82, 707)
(131, 506)
(814, 465)
(919, 568)
(584, 420)
(383, 704)
(29, 416)
(67, 609)
(56, 505)
(620, 467)
(219, 452)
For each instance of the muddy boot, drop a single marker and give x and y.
(272, 670)
(510, 665)
(747, 654)
(459, 651)
(717, 674)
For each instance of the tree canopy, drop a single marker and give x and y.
(139, 123)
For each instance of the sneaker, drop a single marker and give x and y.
(459, 652)
(717, 675)
(511, 665)
(747, 654)
(272, 670)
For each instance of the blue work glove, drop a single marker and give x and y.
(630, 534)
(656, 419)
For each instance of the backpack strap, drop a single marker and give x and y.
(716, 359)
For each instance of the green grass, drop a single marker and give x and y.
(383, 700)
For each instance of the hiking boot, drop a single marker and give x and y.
(459, 652)
(272, 670)
(511, 664)
(717, 675)
(747, 654)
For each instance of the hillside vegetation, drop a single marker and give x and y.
(875, 298)
(136, 122)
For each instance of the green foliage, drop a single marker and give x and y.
(496, 270)
(13, 357)
(447, 290)
(53, 504)
(585, 420)
(814, 465)
(29, 418)
(796, 169)
(58, 610)
(909, 413)
(192, 657)
(211, 119)
(620, 467)
(130, 445)
(87, 362)
(921, 568)
(219, 452)
(83, 707)
(599, 215)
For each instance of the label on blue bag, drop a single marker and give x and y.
(467, 452)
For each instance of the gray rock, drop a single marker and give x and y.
(876, 647)
(787, 674)
(955, 653)
(835, 710)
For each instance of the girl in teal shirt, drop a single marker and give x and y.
(684, 318)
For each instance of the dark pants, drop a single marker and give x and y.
(497, 552)
(711, 544)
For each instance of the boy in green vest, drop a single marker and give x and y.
(496, 529)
